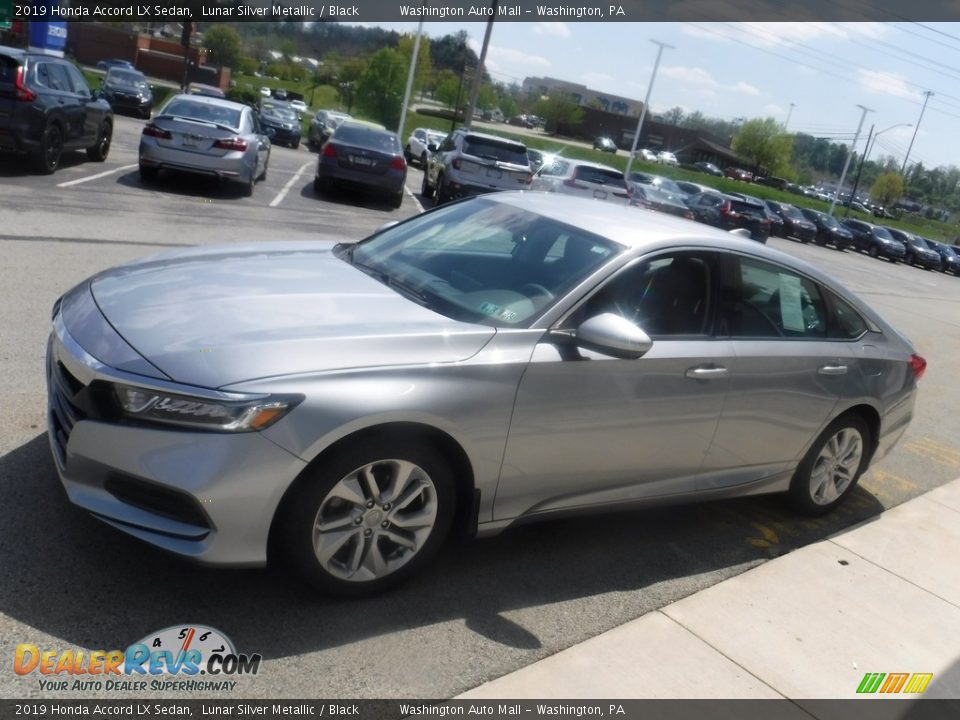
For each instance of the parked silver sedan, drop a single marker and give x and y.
(513, 356)
(206, 136)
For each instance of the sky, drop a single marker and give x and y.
(748, 70)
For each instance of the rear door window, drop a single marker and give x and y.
(600, 176)
(52, 76)
(495, 150)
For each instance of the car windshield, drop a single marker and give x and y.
(435, 138)
(126, 77)
(284, 113)
(493, 149)
(204, 112)
(791, 212)
(361, 136)
(948, 251)
(482, 262)
(668, 185)
(882, 233)
(829, 221)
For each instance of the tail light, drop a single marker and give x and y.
(151, 130)
(918, 365)
(24, 93)
(398, 163)
(329, 150)
(688, 215)
(233, 143)
(727, 210)
(456, 163)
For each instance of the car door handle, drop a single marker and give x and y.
(832, 370)
(703, 373)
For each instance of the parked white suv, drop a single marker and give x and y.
(667, 158)
(585, 179)
(468, 163)
(417, 145)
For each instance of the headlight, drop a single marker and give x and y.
(242, 415)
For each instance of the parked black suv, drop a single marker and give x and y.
(874, 240)
(46, 108)
(729, 212)
(829, 230)
(918, 253)
(795, 225)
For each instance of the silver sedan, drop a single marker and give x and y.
(206, 136)
(512, 357)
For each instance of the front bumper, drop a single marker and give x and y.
(207, 496)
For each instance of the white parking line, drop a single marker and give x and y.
(414, 197)
(286, 188)
(97, 176)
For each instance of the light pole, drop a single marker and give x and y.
(646, 102)
(871, 139)
(410, 76)
(475, 90)
(926, 97)
(787, 121)
(846, 164)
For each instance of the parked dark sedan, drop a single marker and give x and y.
(795, 225)
(127, 90)
(918, 254)
(46, 109)
(874, 240)
(949, 258)
(729, 213)
(114, 62)
(829, 229)
(652, 198)
(280, 122)
(708, 168)
(365, 158)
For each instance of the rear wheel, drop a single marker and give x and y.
(873, 252)
(247, 186)
(397, 200)
(148, 174)
(832, 466)
(406, 154)
(368, 517)
(443, 195)
(423, 160)
(98, 151)
(47, 158)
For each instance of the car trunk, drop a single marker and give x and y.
(600, 183)
(8, 91)
(193, 136)
(361, 159)
(501, 163)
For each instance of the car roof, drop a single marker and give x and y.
(18, 53)
(488, 136)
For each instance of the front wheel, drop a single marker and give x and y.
(873, 252)
(832, 466)
(426, 189)
(47, 158)
(368, 517)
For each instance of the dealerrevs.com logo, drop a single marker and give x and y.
(180, 657)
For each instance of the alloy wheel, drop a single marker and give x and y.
(836, 466)
(375, 520)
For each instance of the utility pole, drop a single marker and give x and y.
(410, 75)
(646, 103)
(926, 97)
(846, 164)
(475, 91)
(866, 154)
(185, 41)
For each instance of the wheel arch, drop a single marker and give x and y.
(871, 417)
(464, 479)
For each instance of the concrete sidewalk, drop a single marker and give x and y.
(881, 597)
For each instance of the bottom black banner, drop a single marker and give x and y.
(865, 709)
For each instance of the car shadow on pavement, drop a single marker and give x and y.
(186, 185)
(347, 198)
(13, 165)
(74, 578)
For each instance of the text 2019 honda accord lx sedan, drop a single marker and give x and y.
(346, 408)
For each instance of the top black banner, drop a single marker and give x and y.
(502, 11)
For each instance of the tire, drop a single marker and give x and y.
(246, 187)
(910, 260)
(441, 194)
(47, 159)
(406, 154)
(872, 251)
(148, 174)
(817, 486)
(295, 145)
(397, 200)
(353, 492)
(263, 175)
(426, 189)
(423, 160)
(99, 151)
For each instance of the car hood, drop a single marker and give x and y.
(217, 316)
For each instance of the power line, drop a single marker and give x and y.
(939, 32)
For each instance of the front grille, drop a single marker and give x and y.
(63, 389)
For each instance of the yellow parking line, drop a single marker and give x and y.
(936, 451)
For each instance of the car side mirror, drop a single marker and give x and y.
(432, 147)
(614, 335)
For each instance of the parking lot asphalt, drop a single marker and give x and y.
(486, 608)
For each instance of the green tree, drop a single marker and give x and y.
(887, 188)
(380, 90)
(508, 106)
(558, 109)
(764, 143)
(424, 67)
(487, 97)
(223, 42)
(674, 115)
(287, 49)
(448, 87)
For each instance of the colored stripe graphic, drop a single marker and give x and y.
(894, 682)
(870, 682)
(918, 683)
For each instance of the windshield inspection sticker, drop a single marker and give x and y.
(791, 303)
(490, 309)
